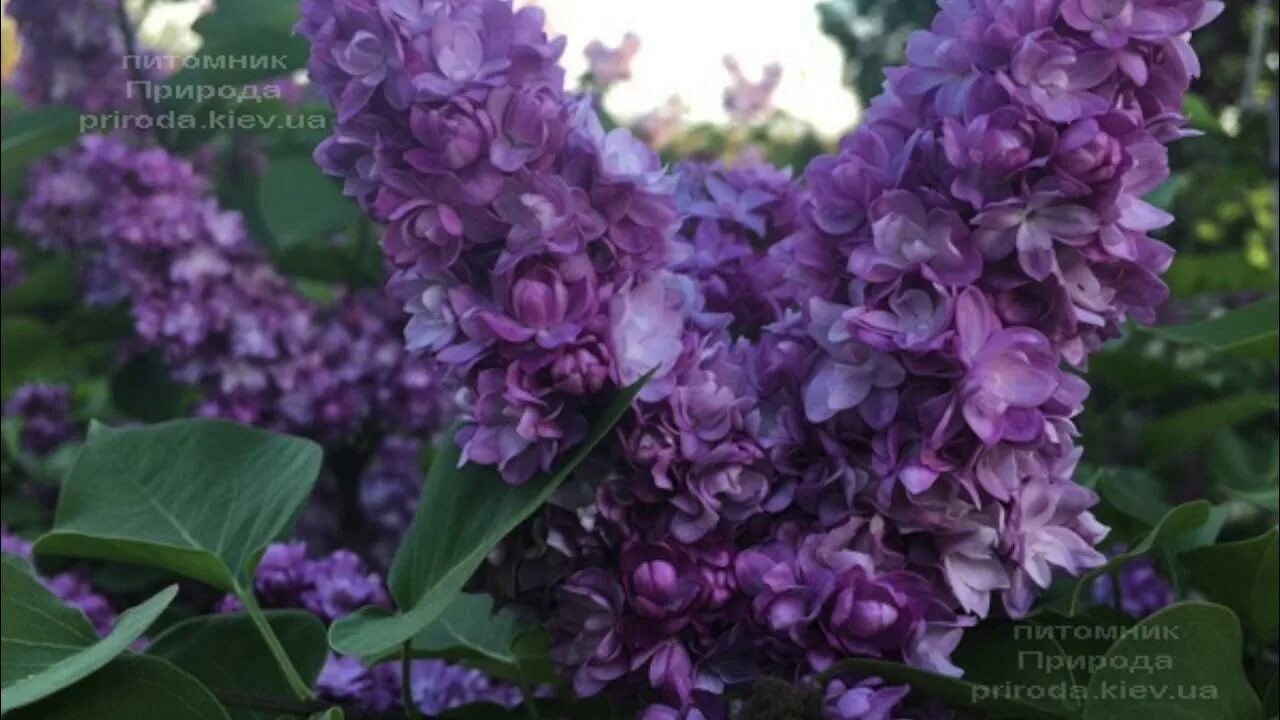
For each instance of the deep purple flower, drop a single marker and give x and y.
(44, 416)
(1141, 591)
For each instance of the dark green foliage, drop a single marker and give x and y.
(774, 699)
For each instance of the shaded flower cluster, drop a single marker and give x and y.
(389, 490)
(336, 585)
(150, 231)
(1142, 590)
(514, 218)
(44, 417)
(730, 217)
(73, 53)
(71, 587)
(858, 435)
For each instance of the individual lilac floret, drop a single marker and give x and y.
(44, 416)
(73, 53)
(609, 66)
(70, 587)
(746, 101)
(869, 699)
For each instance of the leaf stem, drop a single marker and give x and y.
(406, 690)
(291, 674)
(133, 59)
(530, 702)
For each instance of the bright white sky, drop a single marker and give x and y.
(682, 44)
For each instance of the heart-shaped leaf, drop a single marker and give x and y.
(1182, 662)
(200, 498)
(48, 646)
(300, 204)
(30, 135)
(1250, 330)
(1172, 531)
(464, 511)
(228, 654)
(1244, 576)
(1189, 429)
(131, 687)
(995, 657)
(470, 632)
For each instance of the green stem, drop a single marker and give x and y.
(406, 691)
(291, 674)
(530, 703)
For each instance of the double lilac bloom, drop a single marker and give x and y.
(859, 431)
(514, 219)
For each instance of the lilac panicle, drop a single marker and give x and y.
(513, 218)
(202, 293)
(73, 53)
(859, 433)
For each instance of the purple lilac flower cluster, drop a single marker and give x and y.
(44, 415)
(71, 587)
(1142, 589)
(200, 291)
(337, 584)
(730, 217)
(860, 431)
(73, 53)
(389, 491)
(988, 221)
(514, 219)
